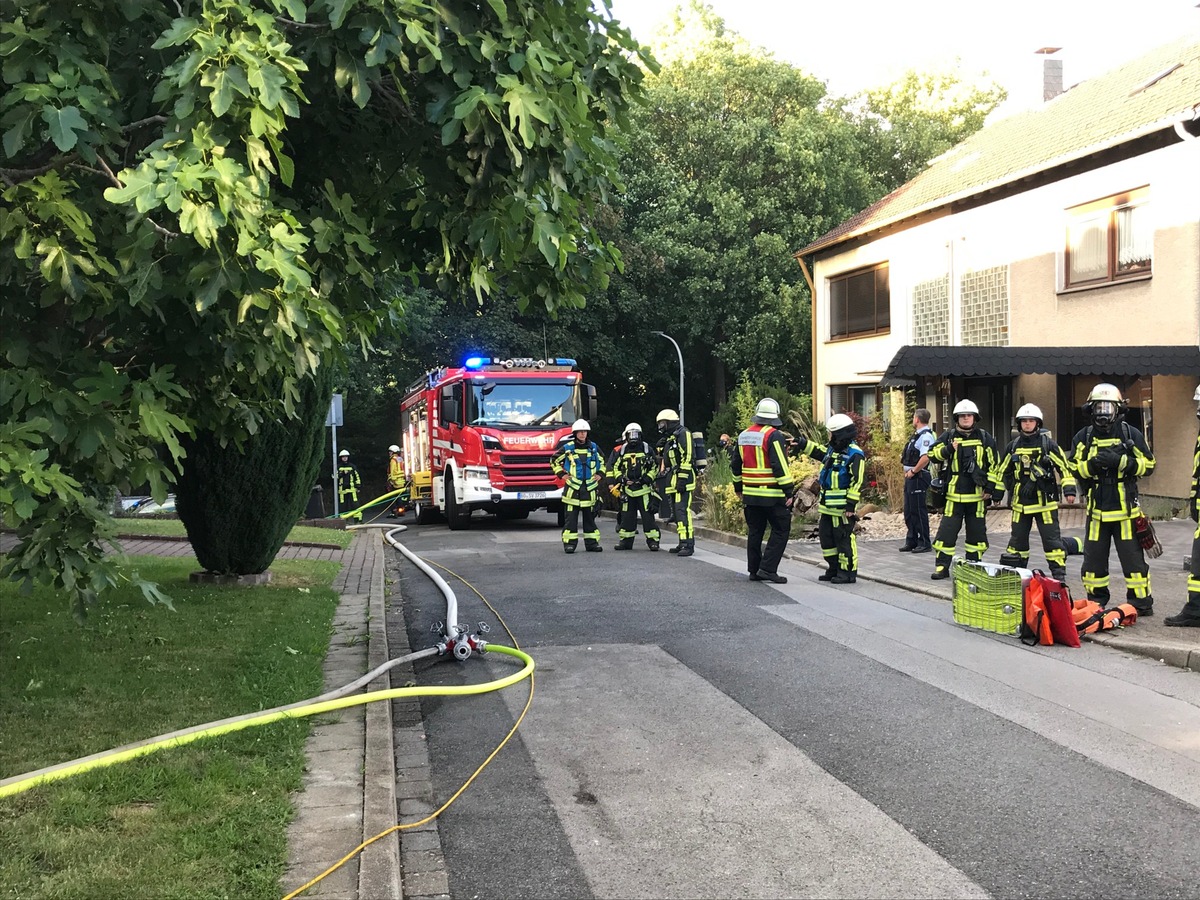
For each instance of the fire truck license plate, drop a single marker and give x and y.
(531, 495)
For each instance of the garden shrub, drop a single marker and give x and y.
(238, 504)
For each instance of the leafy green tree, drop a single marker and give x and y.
(735, 161)
(918, 117)
(239, 503)
(199, 195)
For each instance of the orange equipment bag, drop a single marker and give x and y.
(1048, 613)
(1035, 623)
(1091, 617)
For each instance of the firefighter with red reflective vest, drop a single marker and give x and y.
(1030, 468)
(1189, 616)
(843, 468)
(1108, 457)
(579, 464)
(762, 479)
(677, 465)
(966, 454)
(631, 468)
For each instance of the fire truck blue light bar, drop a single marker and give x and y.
(476, 362)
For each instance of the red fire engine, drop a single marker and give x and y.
(481, 436)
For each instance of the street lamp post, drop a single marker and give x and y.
(680, 352)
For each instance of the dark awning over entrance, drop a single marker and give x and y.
(981, 362)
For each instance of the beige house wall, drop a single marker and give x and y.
(1024, 235)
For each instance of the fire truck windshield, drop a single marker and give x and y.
(522, 404)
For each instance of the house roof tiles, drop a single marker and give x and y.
(917, 361)
(1139, 98)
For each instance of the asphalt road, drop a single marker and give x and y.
(693, 734)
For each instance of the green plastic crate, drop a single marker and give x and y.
(988, 596)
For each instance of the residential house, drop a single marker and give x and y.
(1050, 251)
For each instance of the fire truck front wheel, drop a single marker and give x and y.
(458, 516)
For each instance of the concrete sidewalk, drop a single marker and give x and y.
(879, 560)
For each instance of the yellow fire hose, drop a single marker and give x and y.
(18, 783)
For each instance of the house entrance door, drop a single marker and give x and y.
(993, 396)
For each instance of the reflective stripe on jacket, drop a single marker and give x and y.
(632, 466)
(842, 476)
(1112, 495)
(1030, 468)
(395, 476)
(974, 461)
(579, 466)
(760, 469)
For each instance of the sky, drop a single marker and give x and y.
(827, 38)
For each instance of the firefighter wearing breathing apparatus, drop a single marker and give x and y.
(677, 463)
(762, 479)
(1108, 456)
(1030, 468)
(1189, 616)
(579, 464)
(967, 456)
(843, 467)
(631, 468)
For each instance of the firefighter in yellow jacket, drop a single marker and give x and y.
(396, 480)
(967, 457)
(843, 468)
(1108, 457)
(678, 465)
(1030, 467)
(1189, 616)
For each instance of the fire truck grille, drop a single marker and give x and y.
(526, 468)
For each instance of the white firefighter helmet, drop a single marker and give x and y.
(767, 412)
(1104, 404)
(395, 448)
(345, 454)
(632, 432)
(965, 408)
(667, 415)
(838, 422)
(1030, 411)
(580, 425)
(1105, 391)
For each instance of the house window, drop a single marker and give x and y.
(860, 303)
(861, 399)
(1109, 240)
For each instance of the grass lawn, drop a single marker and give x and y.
(309, 534)
(205, 820)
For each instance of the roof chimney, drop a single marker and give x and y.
(1052, 73)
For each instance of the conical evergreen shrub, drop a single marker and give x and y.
(238, 505)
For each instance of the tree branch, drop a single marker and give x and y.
(26, 174)
(299, 26)
(108, 173)
(151, 120)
